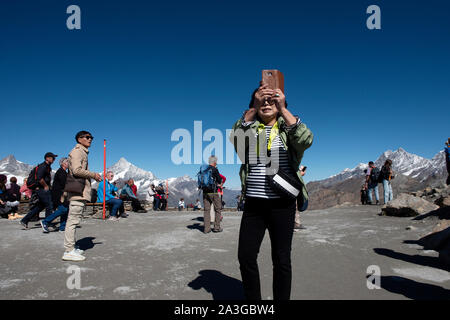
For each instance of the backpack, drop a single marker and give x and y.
(375, 175)
(32, 182)
(205, 178)
(384, 174)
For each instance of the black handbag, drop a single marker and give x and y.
(285, 184)
(74, 185)
(290, 187)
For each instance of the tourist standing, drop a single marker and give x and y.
(372, 177)
(387, 174)
(269, 123)
(447, 159)
(78, 169)
(60, 202)
(211, 175)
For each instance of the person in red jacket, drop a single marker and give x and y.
(220, 192)
(133, 186)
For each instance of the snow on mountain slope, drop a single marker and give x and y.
(405, 163)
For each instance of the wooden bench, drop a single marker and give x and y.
(95, 209)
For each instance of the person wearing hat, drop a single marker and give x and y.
(42, 191)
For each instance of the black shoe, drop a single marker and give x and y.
(217, 230)
(141, 211)
(300, 227)
(25, 225)
(378, 202)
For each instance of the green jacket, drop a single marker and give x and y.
(295, 140)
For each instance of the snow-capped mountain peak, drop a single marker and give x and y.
(403, 162)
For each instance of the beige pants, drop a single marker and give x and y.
(73, 220)
(208, 200)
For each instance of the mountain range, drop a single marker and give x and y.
(412, 173)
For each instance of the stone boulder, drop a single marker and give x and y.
(406, 205)
(443, 198)
(439, 240)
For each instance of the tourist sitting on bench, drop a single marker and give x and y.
(127, 194)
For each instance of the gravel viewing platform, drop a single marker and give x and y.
(165, 255)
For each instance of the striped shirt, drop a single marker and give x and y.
(257, 181)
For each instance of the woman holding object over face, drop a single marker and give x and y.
(268, 120)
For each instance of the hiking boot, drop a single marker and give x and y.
(44, 226)
(73, 256)
(25, 225)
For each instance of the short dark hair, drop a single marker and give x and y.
(80, 134)
(370, 162)
(13, 180)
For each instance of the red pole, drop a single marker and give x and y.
(104, 179)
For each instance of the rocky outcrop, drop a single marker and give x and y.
(439, 240)
(406, 205)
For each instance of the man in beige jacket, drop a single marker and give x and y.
(78, 167)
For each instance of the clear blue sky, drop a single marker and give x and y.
(137, 70)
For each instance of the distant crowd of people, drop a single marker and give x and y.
(66, 195)
(374, 176)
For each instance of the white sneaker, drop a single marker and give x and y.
(79, 251)
(113, 219)
(73, 256)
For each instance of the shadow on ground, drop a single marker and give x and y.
(86, 243)
(441, 213)
(222, 287)
(413, 289)
(417, 259)
(196, 226)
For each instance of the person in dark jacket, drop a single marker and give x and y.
(13, 191)
(42, 191)
(14, 196)
(60, 203)
(5, 210)
(211, 196)
(447, 159)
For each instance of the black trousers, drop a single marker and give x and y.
(277, 216)
(135, 203)
(45, 202)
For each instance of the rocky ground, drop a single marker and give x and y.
(165, 255)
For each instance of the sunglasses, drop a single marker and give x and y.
(88, 137)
